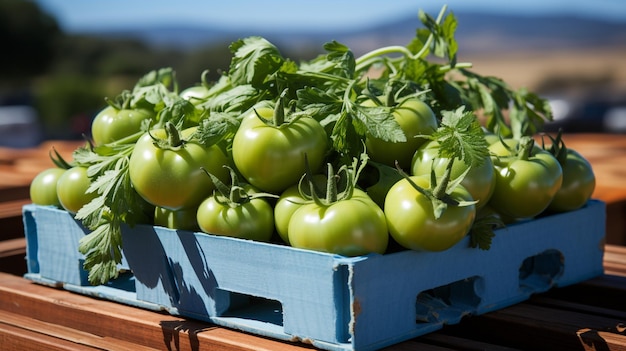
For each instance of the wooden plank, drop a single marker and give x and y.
(524, 324)
(70, 338)
(599, 340)
(13, 192)
(615, 259)
(12, 247)
(14, 338)
(12, 256)
(560, 304)
(12, 208)
(421, 345)
(457, 343)
(104, 318)
(605, 292)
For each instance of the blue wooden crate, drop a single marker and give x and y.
(330, 301)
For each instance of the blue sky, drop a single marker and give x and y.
(85, 15)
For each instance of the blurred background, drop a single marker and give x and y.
(60, 58)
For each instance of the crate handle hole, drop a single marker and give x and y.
(540, 272)
(448, 303)
(254, 308)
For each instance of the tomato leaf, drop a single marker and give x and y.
(177, 110)
(219, 127)
(483, 230)
(380, 122)
(461, 136)
(103, 253)
(443, 43)
(163, 76)
(322, 103)
(342, 57)
(254, 60)
(117, 203)
(237, 98)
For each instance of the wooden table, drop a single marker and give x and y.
(586, 316)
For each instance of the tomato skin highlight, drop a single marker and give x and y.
(111, 124)
(253, 220)
(43, 188)
(174, 179)
(290, 200)
(272, 158)
(415, 117)
(72, 189)
(579, 182)
(350, 227)
(524, 187)
(412, 223)
(479, 181)
(195, 94)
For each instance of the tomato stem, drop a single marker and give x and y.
(173, 136)
(279, 110)
(372, 56)
(331, 186)
(558, 148)
(58, 160)
(526, 148)
(440, 189)
(204, 79)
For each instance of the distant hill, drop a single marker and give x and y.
(476, 32)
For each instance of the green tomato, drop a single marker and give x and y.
(526, 185)
(253, 219)
(173, 178)
(72, 189)
(271, 158)
(412, 223)
(415, 118)
(43, 188)
(289, 201)
(578, 185)
(479, 181)
(490, 137)
(111, 124)
(196, 94)
(350, 227)
(377, 179)
(183, 219)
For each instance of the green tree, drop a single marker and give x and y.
(29, 39)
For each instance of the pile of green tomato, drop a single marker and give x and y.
(273, 184)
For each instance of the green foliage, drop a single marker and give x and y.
(68, 101)
(29, 38)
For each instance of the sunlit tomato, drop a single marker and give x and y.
(412, 222)
(350, 227)
(270, 157)
(415, 118)
(72, 189)
(43, 188)
(479, 181)
(289, 201)
(579, 182)
(173, 177)
(252, 219)
(527, 179)
(196, 94)
(111, 124)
